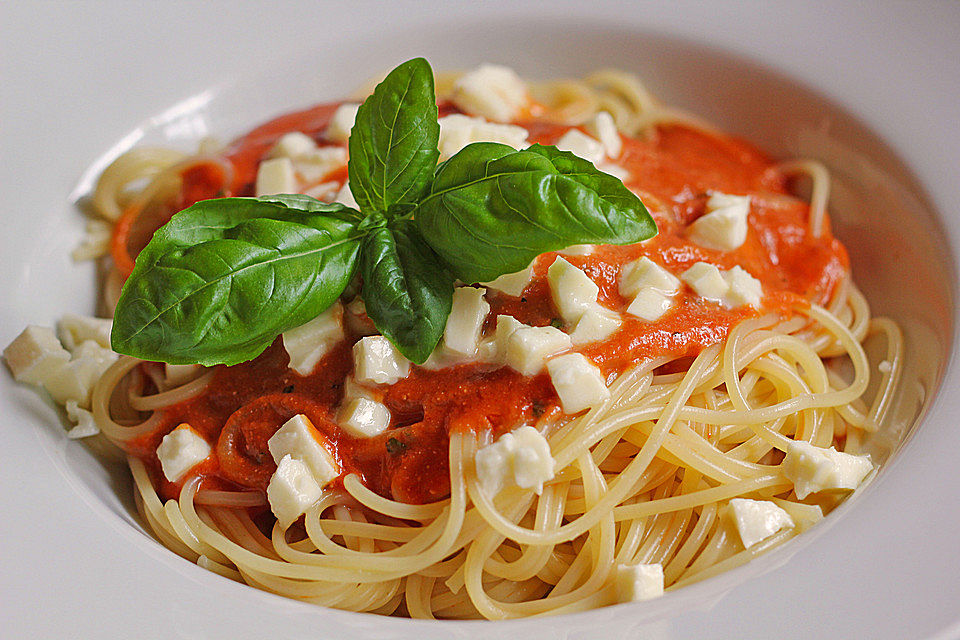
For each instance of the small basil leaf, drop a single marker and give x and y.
(407, 290)
(492, 209)
(223, 278)
(393, 142)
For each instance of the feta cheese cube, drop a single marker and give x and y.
(75, 380)
(506, 325)
(615, 170)
(469, 310)
(645, 273)
(341, 122)
(581, 145)
(650, 304)
(35, 354)
(577, 381)
(276, 176)
(309, 343)
(597, 323)
(804, 516)
(744, 288)
(636, 582)
(363, 417)
(577, 250)
(519, 458)
(292, 490)
(757, 520)
(84, 424)
(813, 469)
(74, 330)
(356, 319)
(512, 284)
(177, 374)
(572, 290)
(376, 360)
(492, 91)
(292, 145)
(724, 226)
(528, 348)
(314, 166)
(181, 450)
(300, 440)
(603, 128)
(345, 196)
(707, 281)
(458, 130)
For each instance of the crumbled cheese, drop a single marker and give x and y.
(492, 91)
(74, 330)
(884, 366)
(505, 327)
(757, 520)
(181, 450)
(276, 176)
(458, 130)
(363, 417)
(724, 226)
(804, 516)
(581, 145)
(578, 382)
(292, 490)
(467, 313)
(572, 290)
(177, 374)
(521, 458)
(292, 145)
(650, 304)
(597, 323)
(314, 166)
(615, 170)
(95, 242)
(345, 196)
(341, 123)
(35, 354)
(512, 284)
(84, 424)
(645, 273)
(578, 250)
(636, 582)
(603, 128)
(309, 343)
(356, 319)
(299, 439)
(813, 469)
(528, 348)
(75, 380)
(732, 288)
(377, 360)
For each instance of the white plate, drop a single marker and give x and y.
(809, 79)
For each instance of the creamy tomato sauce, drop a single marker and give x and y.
(672, 171)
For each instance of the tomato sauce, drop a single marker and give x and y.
(673, 171)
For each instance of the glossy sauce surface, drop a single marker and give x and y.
(673, 172)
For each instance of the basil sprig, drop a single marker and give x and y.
(223, 278)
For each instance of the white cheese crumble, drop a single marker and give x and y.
(492, 91)
(467, 313)
(581, 145)
(521, 458)
(309, 343)
(757, 520)
(35, 354)
(75, 380)
(650, 304)
(732, 288)
(292, 145)
(578, 250)
(363, 417)
(314, 166)
(512, 284)
(292, 490)
(603, 128)
(458, 130)
(636, 582)
(645, 273)
(528, 348)
(724, 226)
(572, 290)
(376, 360)
(597, 323)
(181, 450)
(578, 382)
(84, 423)
(299, 439)
(813, 469)
(74, 330)
(275, 176)
(341, 122)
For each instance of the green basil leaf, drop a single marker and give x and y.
(492, 209)
(407, 290)
(223, 278)
(393, 143)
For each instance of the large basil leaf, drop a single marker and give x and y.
(220, 281)
(408, 292)
(393, 143)
(492, 210)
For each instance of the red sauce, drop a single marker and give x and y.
(673, 171)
